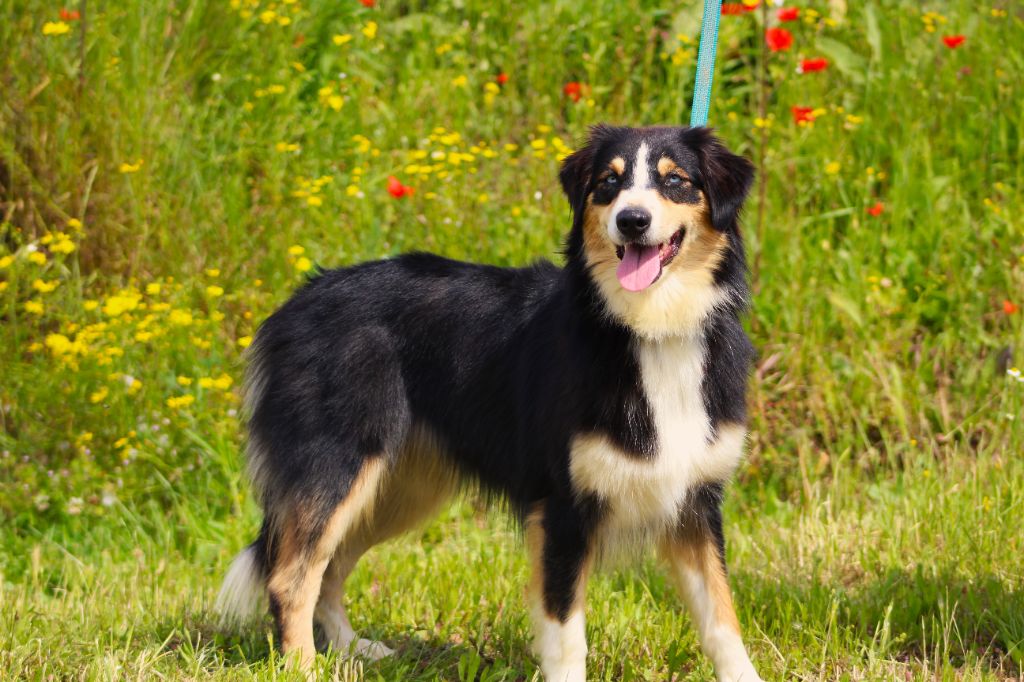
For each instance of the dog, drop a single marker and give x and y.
(603, 401)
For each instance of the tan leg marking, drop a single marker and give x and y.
(697, 570)
(297, 576)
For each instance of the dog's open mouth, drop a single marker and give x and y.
(641, 265)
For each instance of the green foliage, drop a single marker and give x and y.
(169, 172)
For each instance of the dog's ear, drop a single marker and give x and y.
(725, 177)
(578, 167)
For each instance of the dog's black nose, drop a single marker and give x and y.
(633, 222)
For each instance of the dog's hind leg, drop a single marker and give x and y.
(306, 540)
(413, 490)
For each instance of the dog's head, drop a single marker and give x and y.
(655, 215)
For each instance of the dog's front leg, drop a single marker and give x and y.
(558, 540)
(695, 552)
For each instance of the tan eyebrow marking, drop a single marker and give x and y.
(667, 165)
(618, 164)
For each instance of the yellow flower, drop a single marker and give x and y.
(205, 382)
(90, 305)
(131, 167)
(3, 287)
(315, 200)
(177, 402)
(153, 288)
(55, 28)
(37, 257)
(182, 318)
(341, 38)
(213, 291)
(184, 380)
(482, 198)
(268, 16)
(352, 190)
(213, 272)
(59, 344)
(303, 264)
(45, 287)
(296, 250)
(98, 396)
(370, 30)
(460, 81)
(6, 261)
(75, 224)
(335, 102)
(223, 382)
(244, 341)
(833, 167)
(64, 246)
(34, 307)
(121, 303)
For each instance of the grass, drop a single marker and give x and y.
(169, 172)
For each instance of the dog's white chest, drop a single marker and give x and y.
(642, 493)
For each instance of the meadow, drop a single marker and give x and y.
(171, 171)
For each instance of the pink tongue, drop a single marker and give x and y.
(640, 266)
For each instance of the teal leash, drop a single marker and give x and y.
(705, 63)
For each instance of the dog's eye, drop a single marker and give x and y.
(611, 180)
(674, 180)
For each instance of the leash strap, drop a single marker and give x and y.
(705, 63)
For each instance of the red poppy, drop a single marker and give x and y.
(501, 78)
(953, 42)
(1010, 307)
(367, 3)
(815, 64)
(876, 210)
(573, 90)
(397, 189)
(788, 13)
(69, 14)
(779, 39)
(733, 8)
(802, 114)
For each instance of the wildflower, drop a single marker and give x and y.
(99, 396)
(778, 39)
(303, 264)
(736, 8)
(69, 14)
(788, 13)
(44, 287)
(397, 189)
(55, 28)
(832, 167)
(180, 318)
(573, 90)
(953, 42)
(876, 210)
(802, 115)
(184, 381)
(130, 167)
(213, 291)
(153, 288)
(1009, 307)
(501, 78)
(460, 81)
(370, 30)
(341, 38)
(6, 261)
(120, 303)
(244, 341)
(315, 200)
(75, 506)
(74, 224)
(811, 65)
(34, 307)
(63, 245)
(367, 3)
(212, 272)
(286, 147)
(296, 250)
(37, 257)
(177, 402)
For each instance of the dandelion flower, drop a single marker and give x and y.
(55, 28)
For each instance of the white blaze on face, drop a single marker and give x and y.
(640, 194)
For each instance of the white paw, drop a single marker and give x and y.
(369, 649)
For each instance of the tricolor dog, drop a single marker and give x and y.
(603, 400)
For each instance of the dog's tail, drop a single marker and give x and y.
(242, 596)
